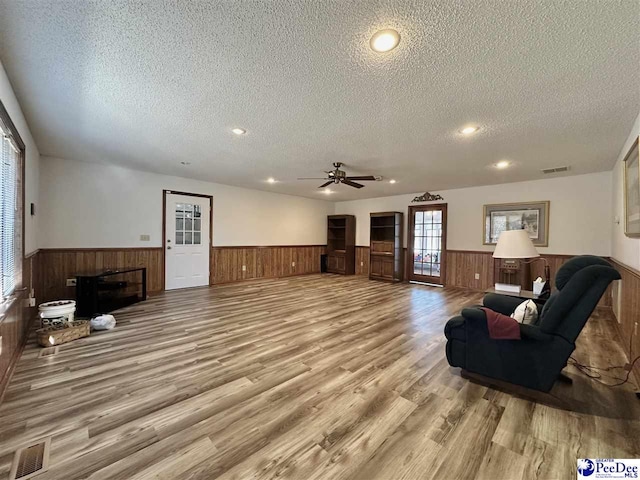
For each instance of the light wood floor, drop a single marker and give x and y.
(315, 377)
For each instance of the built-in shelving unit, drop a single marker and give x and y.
(341, 244)
(385, 252)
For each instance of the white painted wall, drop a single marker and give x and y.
(32, 165)
(623, 248)
(580, 212)
(90, 205)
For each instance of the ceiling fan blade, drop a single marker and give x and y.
(312, 178)
(363, 177)
(352, 184)
(326, 184)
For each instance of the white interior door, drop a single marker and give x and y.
(186, 242)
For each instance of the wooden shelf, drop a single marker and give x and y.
(341, 244)
(385, 259)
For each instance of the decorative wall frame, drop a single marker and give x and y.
(530, 216)
(427, 197)
(631, 167)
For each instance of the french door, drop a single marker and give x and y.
(427, 243)
(187, 240)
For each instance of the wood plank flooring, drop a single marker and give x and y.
(312, 377)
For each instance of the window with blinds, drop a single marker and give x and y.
(9, 203)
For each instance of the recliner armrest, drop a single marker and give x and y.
(503, 304)
(533, 332)
(474, 313)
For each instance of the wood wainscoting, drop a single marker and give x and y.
(462, 266)
(626, 308)
(264, 262)
(59, 264)
(15, 323)
(226, 264)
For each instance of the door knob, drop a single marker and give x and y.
(169, 247)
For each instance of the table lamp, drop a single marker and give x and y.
(516, 244)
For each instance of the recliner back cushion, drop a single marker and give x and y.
(570, 268)
(566, 313)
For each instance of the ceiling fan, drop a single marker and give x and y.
(340, 176)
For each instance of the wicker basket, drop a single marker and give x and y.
(50, 336)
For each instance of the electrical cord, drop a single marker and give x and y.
(594, 372)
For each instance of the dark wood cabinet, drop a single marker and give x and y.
(382, 267)
(341, 244)
(385, 252)
(102, 291)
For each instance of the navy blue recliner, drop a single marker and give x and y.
(537, 359)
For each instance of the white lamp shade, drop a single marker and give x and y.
(515, 244)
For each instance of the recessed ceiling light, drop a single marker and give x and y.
(503, 164)
(384, 40)
(239, 131)
(327, 191)
(185, 163)
(271, 180)
(392, 181)
(469, 130)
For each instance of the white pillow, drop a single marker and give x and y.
(526, 312)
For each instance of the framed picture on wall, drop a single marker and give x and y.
(530, 216)
(632, 191)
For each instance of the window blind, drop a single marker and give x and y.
(8, 212)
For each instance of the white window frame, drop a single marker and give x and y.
(11, 210)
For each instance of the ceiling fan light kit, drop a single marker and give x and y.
(337, 176)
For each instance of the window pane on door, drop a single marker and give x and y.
(435, 270)
(188, 223)
(427, 243)
(417, 268)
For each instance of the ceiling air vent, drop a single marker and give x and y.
(31, 460)
(555, 170)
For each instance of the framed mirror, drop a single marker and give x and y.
(632, 191)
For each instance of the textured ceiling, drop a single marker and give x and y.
(151, 84)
